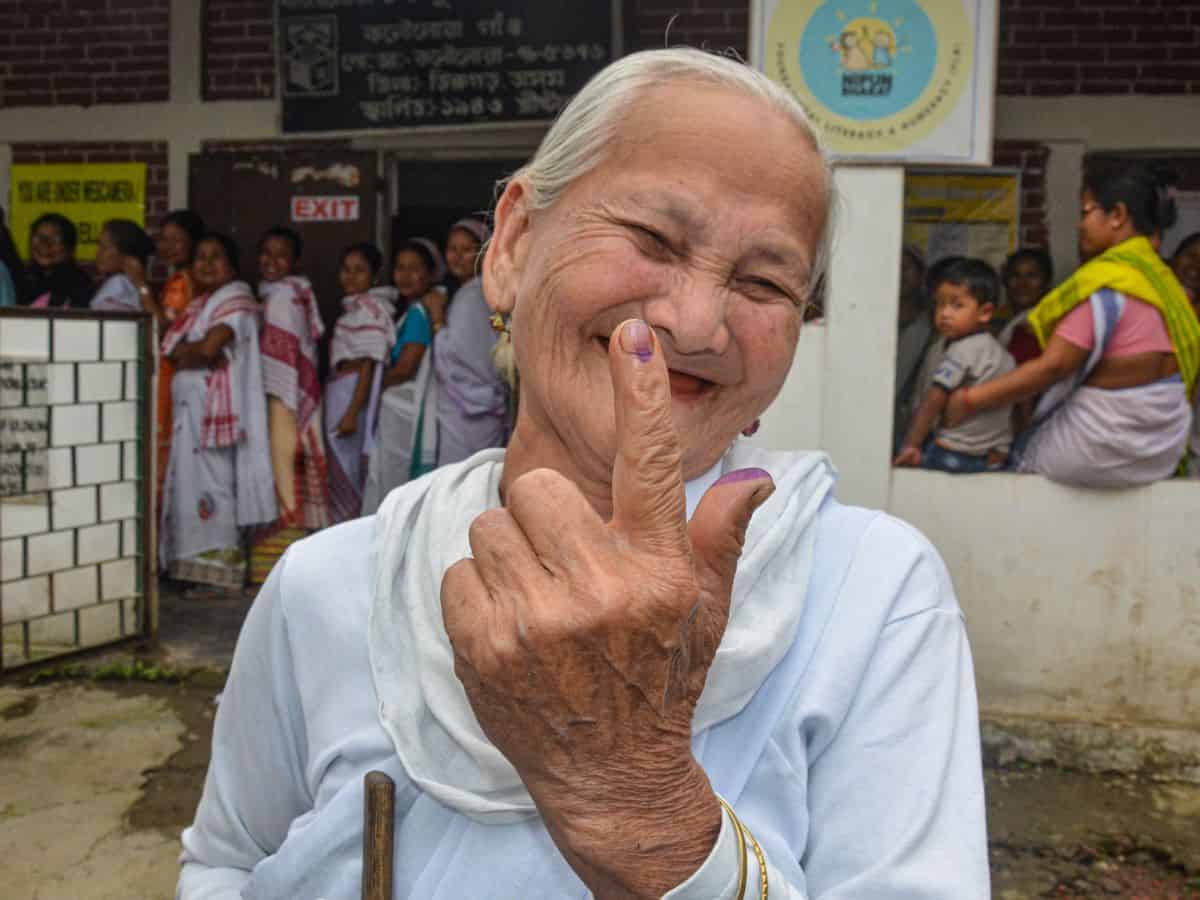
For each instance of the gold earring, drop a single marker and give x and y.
(497, 321)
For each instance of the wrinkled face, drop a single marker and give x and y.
(108, 257)
(355, 275)
(275, 258)
(1025, 284)
(211, 269)
(461, 251)
(1186, 266)
(957, 313)
(410, 275)
(46, 245)
(708, 237)
(174, 245)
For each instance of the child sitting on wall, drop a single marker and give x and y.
(965, 294)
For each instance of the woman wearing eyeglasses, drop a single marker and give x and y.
(1121, 349)
(55, 279)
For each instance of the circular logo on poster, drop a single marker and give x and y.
(874, 75)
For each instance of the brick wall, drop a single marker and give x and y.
(713, 24)
(1030, 158)
(239, 50)
(83, 52)
(1067, 47)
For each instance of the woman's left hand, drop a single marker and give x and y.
(583, 645)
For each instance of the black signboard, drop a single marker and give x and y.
(351, 65)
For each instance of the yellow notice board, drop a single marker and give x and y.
(89, 194)
(951, 213)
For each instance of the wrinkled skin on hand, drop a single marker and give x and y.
(583, 645)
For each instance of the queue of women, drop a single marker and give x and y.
(1091, 382)
(253, 452)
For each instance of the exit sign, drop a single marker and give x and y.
(325, 209)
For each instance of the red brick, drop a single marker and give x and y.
(1021, 18)
(1168, 36)
(1100, 73)
(1065, 36)
(1050, 72)
(1172, 71)
(1106, 87)
(1052, 88)
(1102, 35)
(1030, 54)
(1160, 87)
(1130, 17)
(1137, 53)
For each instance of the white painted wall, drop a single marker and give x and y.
(1080, 604)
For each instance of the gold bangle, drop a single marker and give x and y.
(743, 864)
(762, 863)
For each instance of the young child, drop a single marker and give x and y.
(965, 293)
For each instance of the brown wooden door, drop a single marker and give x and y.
(328, 196)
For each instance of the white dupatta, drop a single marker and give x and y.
(421, 530)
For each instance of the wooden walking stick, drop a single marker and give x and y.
(379, 816)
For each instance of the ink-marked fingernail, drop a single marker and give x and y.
(636, 339)
(750, 474)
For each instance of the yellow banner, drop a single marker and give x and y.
(933, 197)
(89, 194)
(963, 214)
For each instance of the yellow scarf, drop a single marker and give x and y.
(1134, 268)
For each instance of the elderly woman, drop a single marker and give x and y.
(218, 479)
(1121, 349)
(627, 657)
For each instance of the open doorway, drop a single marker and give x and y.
(431, 195)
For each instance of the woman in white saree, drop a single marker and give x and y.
(218, 479)
(630, 656)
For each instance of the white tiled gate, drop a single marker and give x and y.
(75, 487)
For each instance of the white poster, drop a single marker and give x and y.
(889, 80)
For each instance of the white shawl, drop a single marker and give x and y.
(233, 305)
(421, 530)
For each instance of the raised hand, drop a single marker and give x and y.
(583, 645)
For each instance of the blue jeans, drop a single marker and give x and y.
(943, 460)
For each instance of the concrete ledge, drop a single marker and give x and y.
(1148, 750)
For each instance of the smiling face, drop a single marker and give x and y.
(707, 237)
(108, 256)
(211, 269)
(461, 250)
(275, 258)
(410, 275)
(46, 245)
(1025, 284)
(355, 275)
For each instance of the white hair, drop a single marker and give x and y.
(579, 138)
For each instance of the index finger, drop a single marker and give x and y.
(648, 498)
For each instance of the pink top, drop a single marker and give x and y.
(1140, 330)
